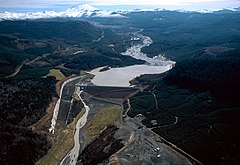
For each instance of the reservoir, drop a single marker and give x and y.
(122, 76)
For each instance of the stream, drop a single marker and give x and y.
(135, 52)
(72, 156)
(56, 109)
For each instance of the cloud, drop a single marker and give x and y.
(147, 2)
(38, 3)
(46, 3)
(151, 2)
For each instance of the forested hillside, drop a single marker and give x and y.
(30, 52)
(198, 99)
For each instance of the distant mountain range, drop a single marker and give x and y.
(77, 11)
(83, 11)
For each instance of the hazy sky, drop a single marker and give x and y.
(51, 3)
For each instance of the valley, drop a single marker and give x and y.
(107, 99)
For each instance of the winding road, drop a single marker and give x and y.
(25, 62)
(163, 140)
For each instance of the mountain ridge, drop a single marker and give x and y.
(85, 10)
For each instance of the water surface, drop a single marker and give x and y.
(122, 76)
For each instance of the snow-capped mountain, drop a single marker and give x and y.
(23, 16)
(89, 11)
(76, 11)
(86, 11)
(84, 7)
(79, 11)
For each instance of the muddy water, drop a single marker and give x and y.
(122, 76)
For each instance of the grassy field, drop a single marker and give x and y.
(105, 117)
(55, 73)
